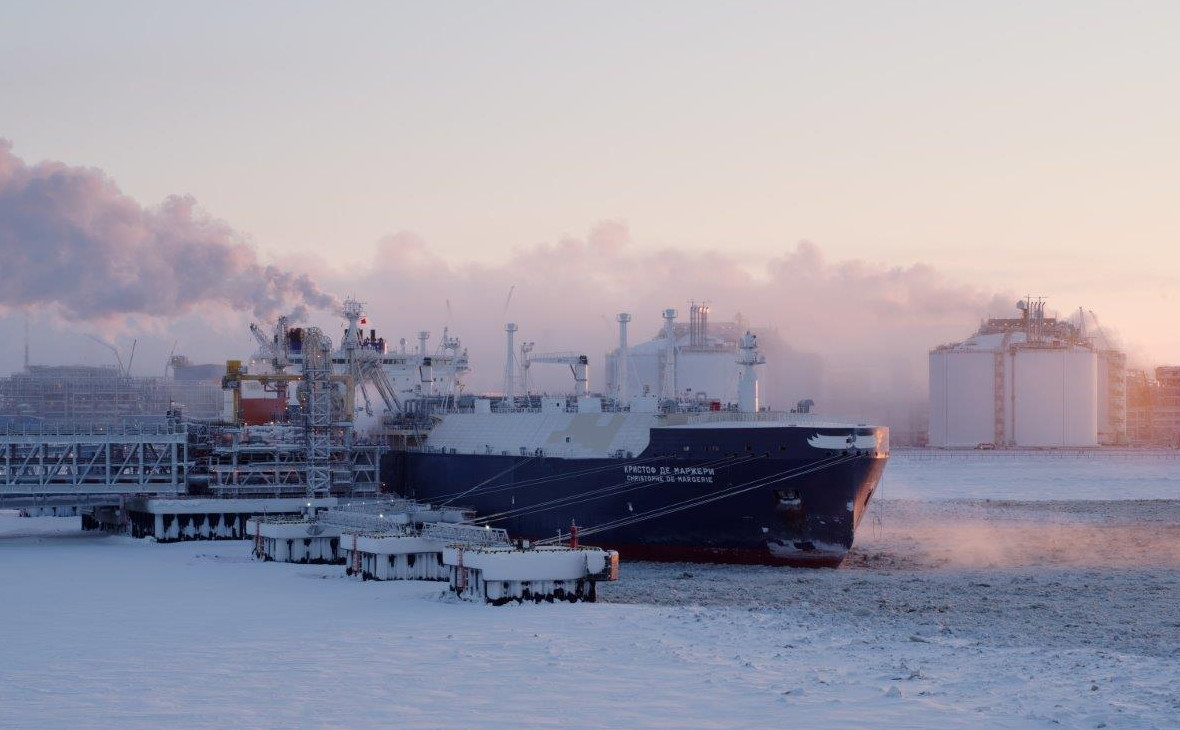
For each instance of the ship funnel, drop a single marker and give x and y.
(698, 324)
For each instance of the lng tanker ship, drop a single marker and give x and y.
(670, 475)
(654, 477)
(708, 486)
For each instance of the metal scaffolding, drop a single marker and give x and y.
(88, 460)
(79, 394)
(272, 461)
(317, 384)
(86, 433)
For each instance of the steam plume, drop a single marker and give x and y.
(72, 241)
(830, 306)
(855, 314)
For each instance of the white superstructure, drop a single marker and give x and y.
(749, 357)
(1027, 382)
(684, 360)
(405, 373)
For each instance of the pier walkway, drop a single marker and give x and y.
(45, 465)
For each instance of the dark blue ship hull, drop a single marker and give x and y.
(731, 495)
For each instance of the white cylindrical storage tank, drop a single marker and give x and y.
(962, 397)
(1056, 399)
(1081, 405)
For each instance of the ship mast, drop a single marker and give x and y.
(668, 390)
(510, 367)
(749, 357)
(621, 370)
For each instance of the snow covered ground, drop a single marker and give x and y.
(963, 606)
(1032, 475)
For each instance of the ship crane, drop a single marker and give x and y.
(276, 353)
(364, 365)
(273, 350)
(578, 363)
(368, 370)
(453, 361)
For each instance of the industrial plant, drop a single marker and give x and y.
(303, 418)
(1031, 381)
(1153, 407)
(76, 438)
(108, 394)
(274, 457)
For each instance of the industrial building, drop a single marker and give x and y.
(1140, 405)
(1031, 381)
(78, 436)
(1165, 417)
(106, 395)
(1153, 407)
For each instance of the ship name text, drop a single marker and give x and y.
(682, 474)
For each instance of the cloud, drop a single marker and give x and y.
(71, 241)
(76, 248)
(565, 294)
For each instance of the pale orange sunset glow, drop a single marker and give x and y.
(660, 364)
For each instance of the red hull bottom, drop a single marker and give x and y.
(726, 556)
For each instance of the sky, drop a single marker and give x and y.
(998, 149)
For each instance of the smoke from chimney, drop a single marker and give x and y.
(71, 241)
